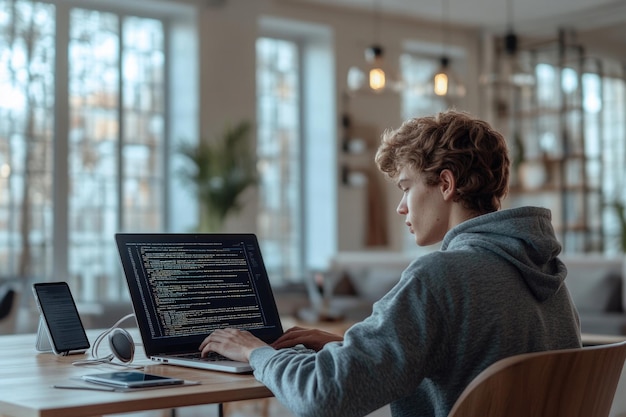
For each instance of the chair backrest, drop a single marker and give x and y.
(559, 383)
(7, 297)
(9, 300)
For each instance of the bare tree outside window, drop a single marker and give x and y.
(27, 56)
(116, 141)
(110, 149)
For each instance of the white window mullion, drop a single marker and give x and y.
(60, 165)
(120, 132)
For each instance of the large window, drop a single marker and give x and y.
(27, 36)
(297, 148)
(116, 139)
(82, 141)
(279, 157)
(613, 180)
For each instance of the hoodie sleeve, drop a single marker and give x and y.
(381, 359)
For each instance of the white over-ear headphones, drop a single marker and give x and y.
(120, 342)
(122, 345)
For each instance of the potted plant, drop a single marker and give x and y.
(620, 210)
(219, 171)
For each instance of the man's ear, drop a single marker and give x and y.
(447, 184)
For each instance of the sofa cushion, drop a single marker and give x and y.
(595, 289)
(603, 323)
(372, 273)
(375, 282)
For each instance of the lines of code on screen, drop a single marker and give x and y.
(194, 288)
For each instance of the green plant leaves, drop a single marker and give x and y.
(220, 170)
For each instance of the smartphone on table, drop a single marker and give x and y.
(131, 379)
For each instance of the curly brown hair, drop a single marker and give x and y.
(470, 148)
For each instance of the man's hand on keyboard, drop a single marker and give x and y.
(232, 343)
(314, 339)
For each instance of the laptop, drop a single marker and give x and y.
(184, 286)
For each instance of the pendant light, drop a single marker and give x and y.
(445, 83)
(376, 77)
(518, 75)
(512, 70)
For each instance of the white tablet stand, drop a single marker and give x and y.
(43, 343)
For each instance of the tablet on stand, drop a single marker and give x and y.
(60, 328)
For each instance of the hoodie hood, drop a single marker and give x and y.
(523, 236)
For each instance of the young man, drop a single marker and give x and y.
(494, 289)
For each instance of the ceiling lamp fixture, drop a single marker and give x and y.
(512, 71)
(444, 82)
(377, 77)
(518, 75)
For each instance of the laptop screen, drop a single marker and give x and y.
(184, 286)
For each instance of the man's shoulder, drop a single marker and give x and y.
(446, 260)
(450, 268)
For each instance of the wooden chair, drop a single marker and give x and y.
(8, 309)
(559, 383)
(7, 297)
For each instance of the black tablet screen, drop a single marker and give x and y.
(61, 316)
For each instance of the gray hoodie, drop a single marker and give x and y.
(495, 289)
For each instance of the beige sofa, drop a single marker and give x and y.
(355, 280)
(596, 283)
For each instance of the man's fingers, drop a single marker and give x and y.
(211, 341)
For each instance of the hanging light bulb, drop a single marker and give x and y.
(445, 83)
(376, 77)
(440, 86)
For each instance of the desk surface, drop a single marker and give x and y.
(26, 379)
(590, 339)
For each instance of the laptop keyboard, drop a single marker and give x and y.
(210, 357)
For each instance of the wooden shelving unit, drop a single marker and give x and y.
(548, 127)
